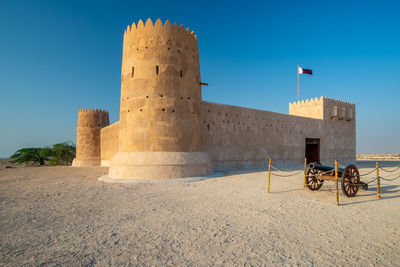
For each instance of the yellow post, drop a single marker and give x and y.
(378, 181)
(269, 174)
(336, 183)
(305, 166)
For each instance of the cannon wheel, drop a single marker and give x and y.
(312, 182)
(350, 181)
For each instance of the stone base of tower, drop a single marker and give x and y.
(159, 165)
(86, 162)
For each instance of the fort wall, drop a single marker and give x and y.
(109, 138)
(237, 136)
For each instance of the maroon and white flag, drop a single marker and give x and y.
(304, 71)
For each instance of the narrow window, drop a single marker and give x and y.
(181, 73)
(157, 68)
(197, 79)
(133, 71)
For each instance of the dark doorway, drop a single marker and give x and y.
(312, 150)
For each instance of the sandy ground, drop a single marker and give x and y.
(64, 215)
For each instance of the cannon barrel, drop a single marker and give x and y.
(325, 168)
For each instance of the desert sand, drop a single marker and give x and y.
(65, 215)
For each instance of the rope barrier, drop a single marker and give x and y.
(275, 168)
(334, 172)
(386, 170)
(365, 174)
(386, 179)
(289, 175)
(322, 173)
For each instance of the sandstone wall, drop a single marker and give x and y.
(109, 142)
(238, 136)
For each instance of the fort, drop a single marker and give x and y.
(166, 130)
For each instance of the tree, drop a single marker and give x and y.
(62, 153)
(58, 154)
(29, 156)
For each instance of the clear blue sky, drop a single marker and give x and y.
(59, 56)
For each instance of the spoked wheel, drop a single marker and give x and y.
(313, 182)
(350, 181)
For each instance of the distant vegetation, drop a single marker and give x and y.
(58, 154)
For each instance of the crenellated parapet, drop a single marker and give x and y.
(149, 36)
(93, 118)
(335, 109)
(90, 122)
(311, 108)
(324, 108)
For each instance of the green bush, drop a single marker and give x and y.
(58, 154)
(29, 156)
(62, 154)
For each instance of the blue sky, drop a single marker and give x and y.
(59, 56)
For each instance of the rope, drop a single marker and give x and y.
(290, 175)
(386, 179)
(386, 170)
(365, 174)
(279, 169)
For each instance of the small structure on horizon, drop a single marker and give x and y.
(166, 130)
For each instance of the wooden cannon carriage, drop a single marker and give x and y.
(349, 178)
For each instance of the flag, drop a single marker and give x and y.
(305, 71)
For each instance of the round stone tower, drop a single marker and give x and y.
(159, 134)
(90, 123)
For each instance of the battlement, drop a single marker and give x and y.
(335, 109)
(311, 108)
(324, 108)
(149, 35)
(337, 101)
(88, 110)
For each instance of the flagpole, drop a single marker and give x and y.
(298, 84)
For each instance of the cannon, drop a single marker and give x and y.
(349, 178)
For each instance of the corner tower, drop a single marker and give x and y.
(90, 123)
(160, 111)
